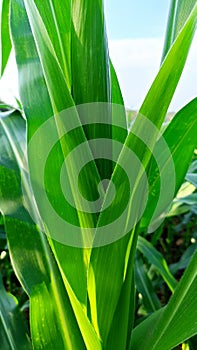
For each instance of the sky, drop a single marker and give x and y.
(136, 19)
(136, 30)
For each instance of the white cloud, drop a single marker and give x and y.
(137, 62)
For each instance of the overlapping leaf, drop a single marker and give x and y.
(13, 328)
(158, 331)
(31, 256)
(156, 258)
(5, 41)
(43, 75)
(180, 145)
(108, 263)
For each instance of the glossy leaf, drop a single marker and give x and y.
(90, 54)
(150, 299)
(108, 263)
(62, 59)
(169, 38)
(5, 41)
(40, 70)
(184, 8)
(156, 258)
(13, 329)
(119, 334)
(57, 20)
(191, 175)
(158, 330)
(178, 14)
(184, 260)
(32, 258)
(181, 139)
(119, 115)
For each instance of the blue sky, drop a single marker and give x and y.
(136, 31)
(136, 19)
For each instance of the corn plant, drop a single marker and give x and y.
(78, 191)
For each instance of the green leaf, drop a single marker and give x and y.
(91, 69)
(120, 332)
(156, 258)
(184, 8)
(169, 38)
(44, 324)
(37, 59)
(42, 312)
(158, 330)
(89, 53)
(144, 286)
(189, 200)
(108, 264)
(31, 256)
(178, 14)
(191, 175)
(181, 139)
(170, 72)
(184, 260)
(118, 114)
(13, 328)
(57, 21)
(5, 41)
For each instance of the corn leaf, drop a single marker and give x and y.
(144, 286)
(120, 333)
(70, 260)
(90, 54)
(174, 323)
(169, 38)
(41, 69)
(31, 256)
(118, 114)
(57, 20)
(5, 41)
(178, 14)
(108, 263)
(183, 10)
(13, 329)
(191, 175)
(181, 139)
(156, 258)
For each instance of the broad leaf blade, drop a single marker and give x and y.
(31, 256)
(30, 253)
(181, 139)
(13, 328)
(169, 38)
(184, 8)
(156, 258)
(108, 263)
(57, 19)
(144, 286)
(120, 333)
(179, 13)
(91, 68)
(5, 41)
(43, 75)
(118, 114)
(90, 60)
(158, 331)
